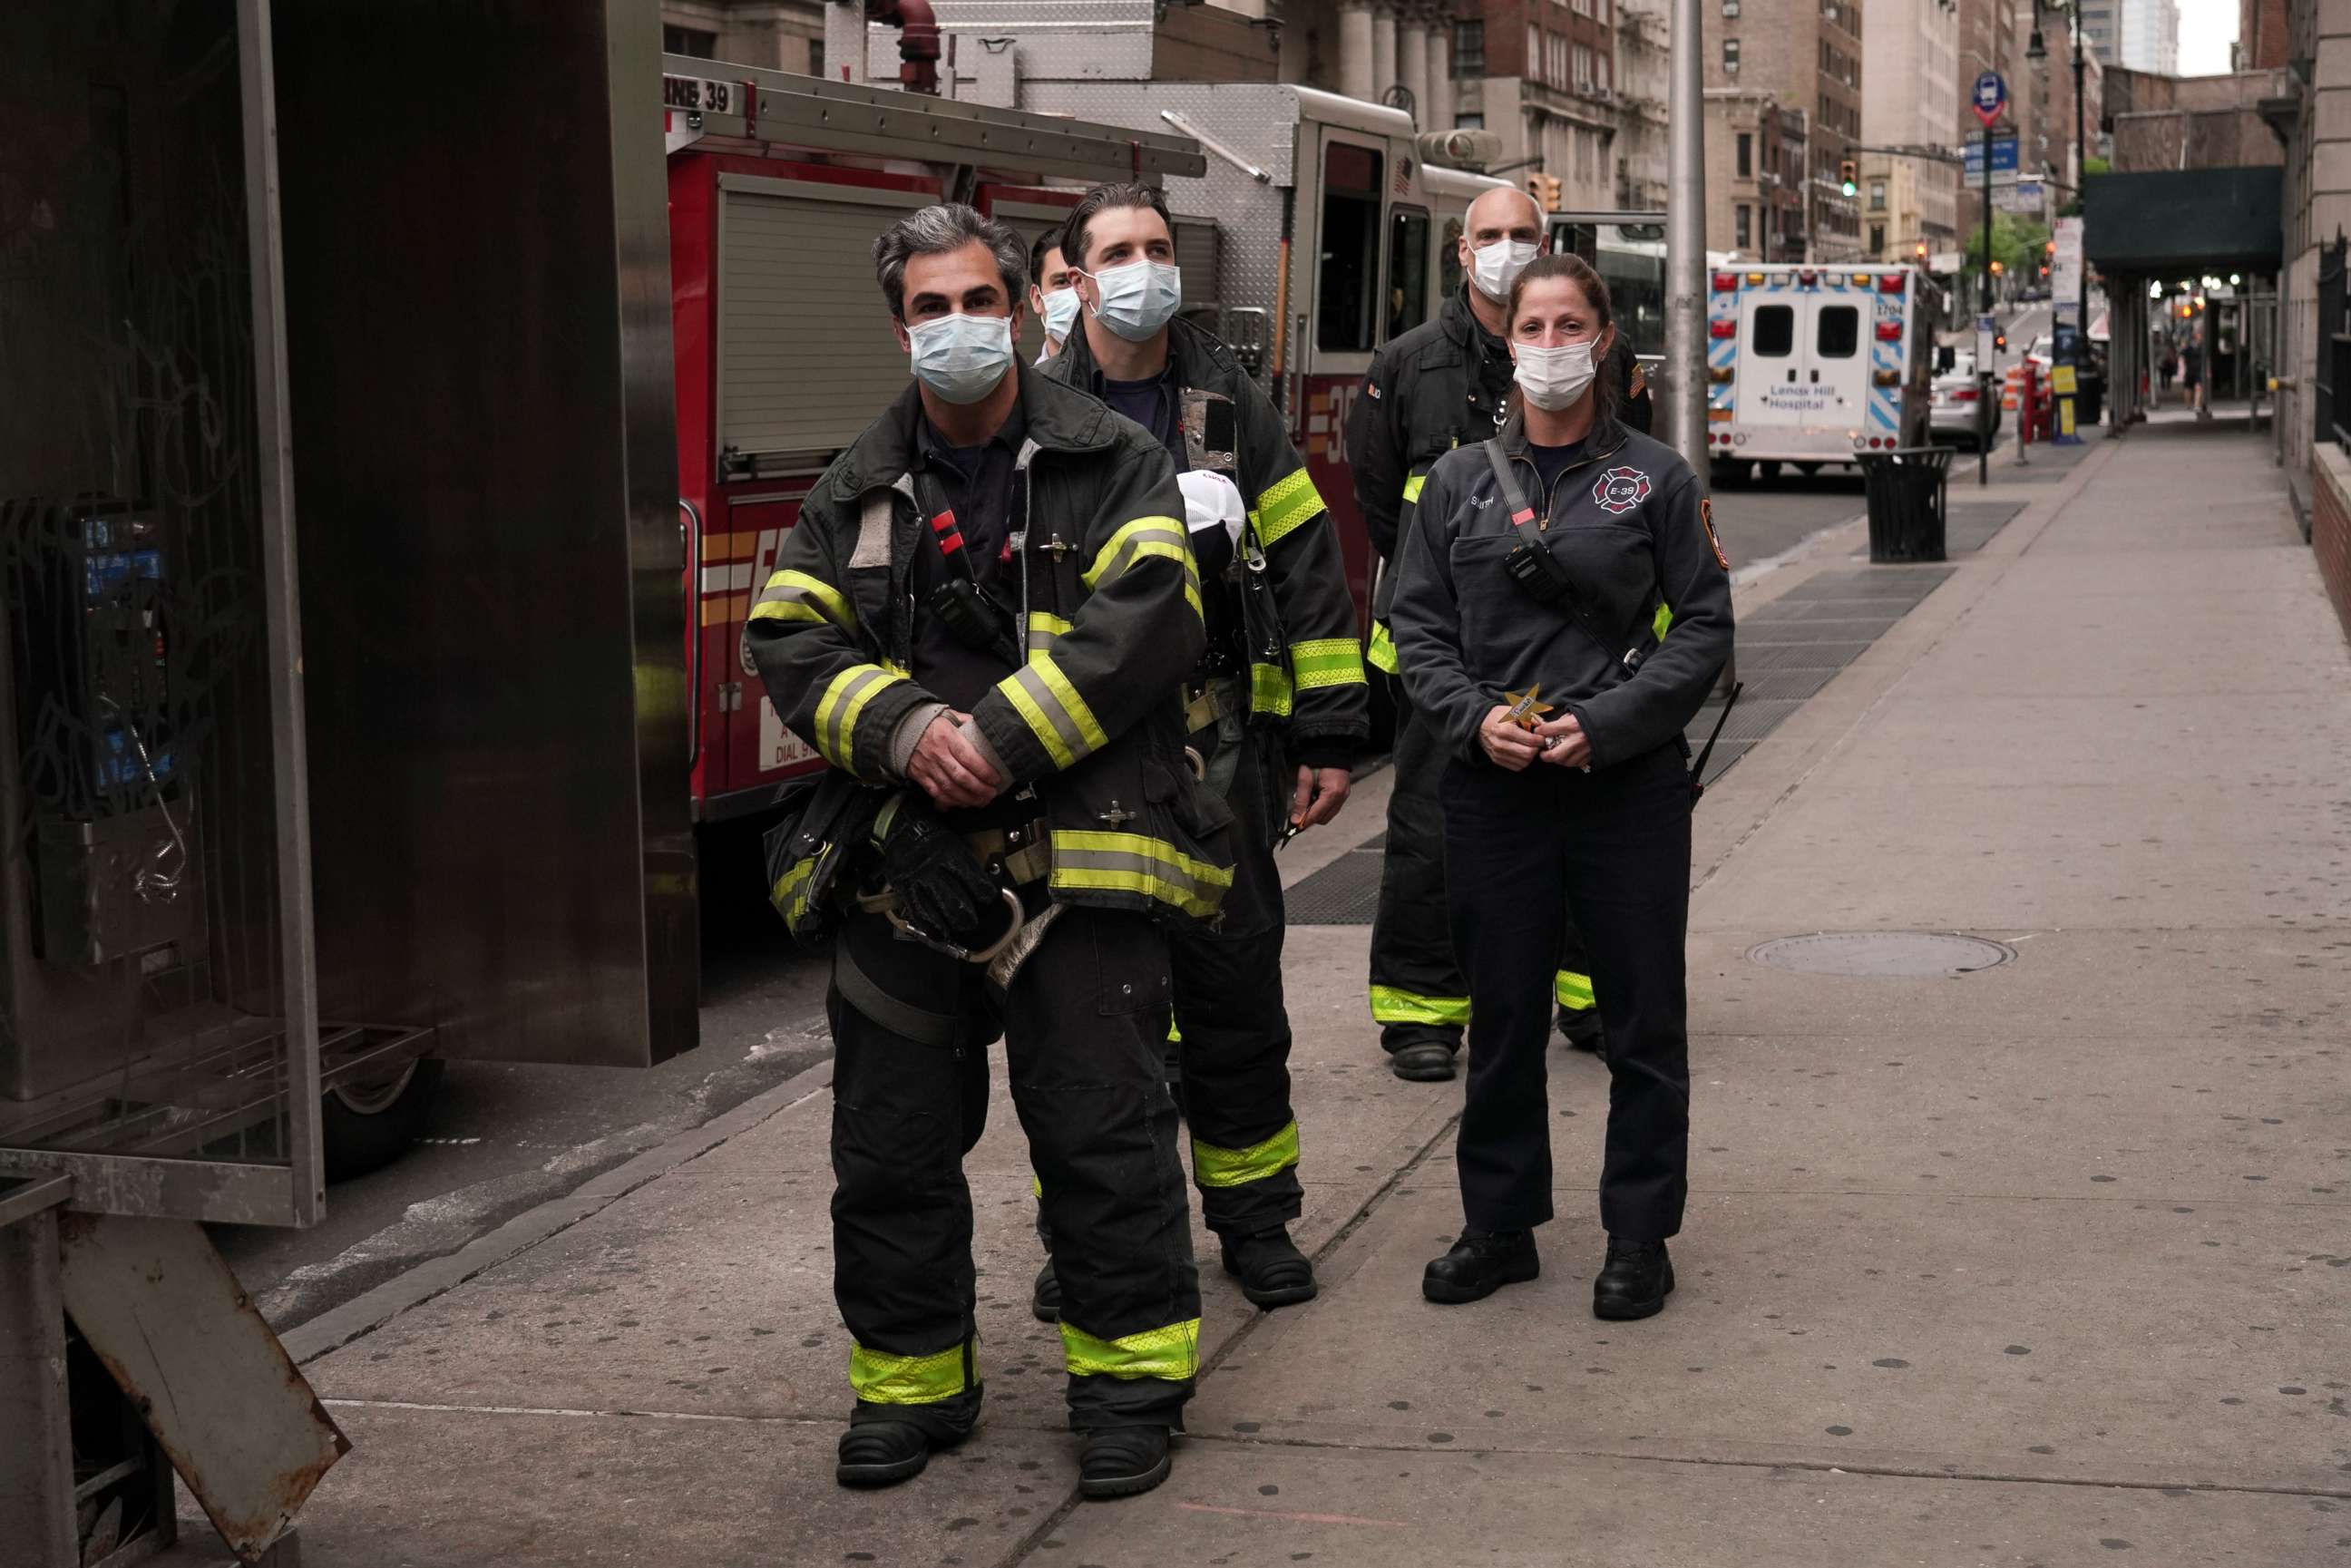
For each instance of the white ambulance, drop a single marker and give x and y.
(1814, 365)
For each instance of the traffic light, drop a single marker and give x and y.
(1920, 251)
(1545, 190)
(2049, 248)
(1996, 268)
(1847, 171)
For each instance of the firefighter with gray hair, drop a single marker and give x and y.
(1277, 709)
(982, 622)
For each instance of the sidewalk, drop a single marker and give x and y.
(2041, 1264)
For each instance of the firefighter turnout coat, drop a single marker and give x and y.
(1305, 654)
(1111, 613)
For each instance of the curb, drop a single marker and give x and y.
(370, 1310)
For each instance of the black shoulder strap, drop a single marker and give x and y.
(1522, 517)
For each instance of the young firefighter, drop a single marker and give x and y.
(1278, 706)
(982, 620)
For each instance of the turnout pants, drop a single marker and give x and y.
(1613, 845)
(1083, 1027)
(1418, 994)
(1234, 1044)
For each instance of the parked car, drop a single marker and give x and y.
(1951, 415)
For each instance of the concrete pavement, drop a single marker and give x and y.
(2043, 1264)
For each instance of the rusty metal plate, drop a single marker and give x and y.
(1882, 955)
(220, 1394)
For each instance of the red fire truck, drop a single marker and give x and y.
(777, 184)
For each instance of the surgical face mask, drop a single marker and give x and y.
(1554, 379)
(1138, 299)
(1496, 266)
(962, 358)
(1061, 313)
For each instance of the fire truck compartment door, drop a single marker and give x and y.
(805, 356)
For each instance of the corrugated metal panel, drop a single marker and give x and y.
(805, 359)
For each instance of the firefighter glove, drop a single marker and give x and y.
(941, 889)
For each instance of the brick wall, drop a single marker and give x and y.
(2330, 526)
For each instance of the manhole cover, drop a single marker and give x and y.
(1882, 955)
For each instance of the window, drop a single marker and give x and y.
(1744, 225)
(1468, 49)
(1774, 335)
(1730, 7)
(690, 41)
(1448, 259)
(816, 57)
(1878, 239)
(1351, 247)
(1535, 62)
(1469, 122)
(1878, 196)
(1838, 335)
(1407, 270)
(1746, 156)
(1730, 56)
(1582, 66)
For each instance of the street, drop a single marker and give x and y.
(506, 1136)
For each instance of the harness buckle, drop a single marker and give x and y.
(987, 954)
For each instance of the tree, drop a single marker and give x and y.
(2015, 245)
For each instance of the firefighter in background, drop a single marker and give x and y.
(1277, 709)
(1440, 385)
(1004, 777)
(1051, 297)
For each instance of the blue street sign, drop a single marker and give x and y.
(2003, 159)
(1990, 96)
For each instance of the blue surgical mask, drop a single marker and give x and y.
(1061, 313)
(962, 358)
(1138, 299)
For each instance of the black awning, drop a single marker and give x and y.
(2186, 221)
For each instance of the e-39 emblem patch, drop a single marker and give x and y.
(1706, 516)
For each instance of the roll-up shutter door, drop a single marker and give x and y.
(1196, 255)
(805, 355)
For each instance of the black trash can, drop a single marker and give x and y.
(1906, 491)
(2091, 403)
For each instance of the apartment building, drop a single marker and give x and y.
(1755, 159)
(1805, 55)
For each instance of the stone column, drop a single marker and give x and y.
(1384, 51)
(1411, 62)
(1295, 63)
(1438, 115)
(1355, 73)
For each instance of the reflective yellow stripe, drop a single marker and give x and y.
(1662, 619)
(1111, 558)
(790, 593)
(789, 895)
(1089, 860)
(1327, 662)
(880, 1379)
(1286, 504)
(1573, 990)
(1024, 701)
(1172, 1353)
(1213, 1166)
(1270, 690)
(1383, 654)
(837, 711)
(1044, 628)
(1057, 682)
(1037, 1186)
(1412, 486)
(1390, 1005)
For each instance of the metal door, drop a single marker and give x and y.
(1840, 327)
(1770, 388)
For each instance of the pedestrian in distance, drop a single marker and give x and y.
(980, 621)
(1275, 707)
(1442, 385)
(1563, 612)
(2170, 367)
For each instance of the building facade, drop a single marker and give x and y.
(1805, 55)
(1910, 98)
(1549, 91)
(2141, 35)
(778, 34)
(1642, 56)
(1755, 159)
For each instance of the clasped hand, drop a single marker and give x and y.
(950, 768)
(1560, 741)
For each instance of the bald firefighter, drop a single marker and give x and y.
(982, 620)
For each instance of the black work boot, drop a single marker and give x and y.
(1481, 1263)
(1271, 1269)
(1120, 1461)
(1045, 1296)
(886, 1444)
(1633, 1282)
(1423, 1062)
(1580, 1027)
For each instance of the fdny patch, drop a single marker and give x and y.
(1706, 516)
(1620, 490)
(1372, 388)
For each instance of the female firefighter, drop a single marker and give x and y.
(1532, 623)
